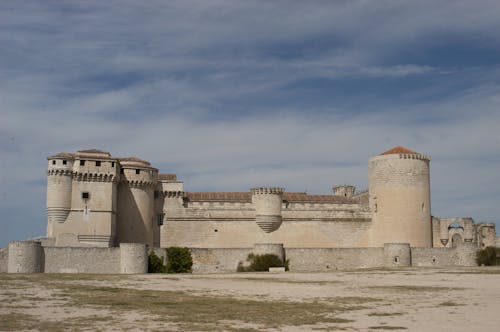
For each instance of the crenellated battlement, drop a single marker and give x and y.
(93, 177)
(61, 172)
(267, 190)
(139, 183)
(414, 156)
(173, 194)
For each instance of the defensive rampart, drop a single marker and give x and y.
(217, 260)
(31, 257)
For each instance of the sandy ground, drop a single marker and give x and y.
(413, 299)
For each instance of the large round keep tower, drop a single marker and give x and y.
(59, 186)
(399, 188)
(136, 217)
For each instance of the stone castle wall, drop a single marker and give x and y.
(244, 233)
(233, 224)
(82, 260)
(218, 260)
(30, 256)
(331, 259)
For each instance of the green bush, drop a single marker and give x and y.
(179, 260)
(155, 263)
(488, 256)
(260, 263)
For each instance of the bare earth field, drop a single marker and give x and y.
(413, 299)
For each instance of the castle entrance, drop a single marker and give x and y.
(456, 240)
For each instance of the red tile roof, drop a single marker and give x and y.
(62, 155)
(94, 151)
(398, 150)
(134, 159)
(292, 197)
(219, 196)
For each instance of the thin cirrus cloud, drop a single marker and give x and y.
(233, 94)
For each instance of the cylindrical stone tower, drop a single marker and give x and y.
(267, 203)
(133, 258)
(399, 188)
(397, 254)
(135, 222)
(59, 186)
(25, 257)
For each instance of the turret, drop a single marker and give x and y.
(344, 190)
(267, 203)
(399, 189)
(136, 208)
(59, 186)
(93, 201)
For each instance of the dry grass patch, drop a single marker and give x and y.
(187, 311)
(385, 314)
(449, 304)
(415, 288)
(387, 327)
(288, 281)
(193, 312)
(478, 271)
(19, 321)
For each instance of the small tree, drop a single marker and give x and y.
(260, 263)
(155, 263)
(179, 260)
(487, 256)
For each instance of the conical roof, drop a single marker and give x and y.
(398, 150)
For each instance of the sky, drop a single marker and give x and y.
(235, 94)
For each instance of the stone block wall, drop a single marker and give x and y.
(216, 260)
(82, 260)
(331, 259)
(31, 257)
(433, 256)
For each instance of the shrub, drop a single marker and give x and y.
(179, 260)
(263, 262)
(488, 256)
(155, 263)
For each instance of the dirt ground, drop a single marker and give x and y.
(413, 299)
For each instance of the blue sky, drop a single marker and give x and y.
(234, 94)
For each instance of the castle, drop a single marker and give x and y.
(97, 201)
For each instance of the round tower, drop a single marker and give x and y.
(59, 186)
(397, 254)
(25, 257)
(136, 201)
(267, 203)
(399, 188)
(133, 258)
